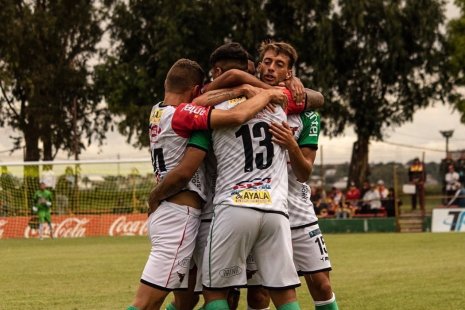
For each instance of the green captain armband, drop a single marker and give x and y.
(200, 139)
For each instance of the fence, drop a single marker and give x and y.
(89, 197)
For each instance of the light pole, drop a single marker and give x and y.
(447, 134)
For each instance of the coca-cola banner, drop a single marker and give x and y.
(66, 226)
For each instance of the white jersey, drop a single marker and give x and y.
(167, 148)
(306, 128)
(251, 168)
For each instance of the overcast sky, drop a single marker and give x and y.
(421, 137)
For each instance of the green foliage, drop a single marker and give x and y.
(44, 51)
(149, 36)
(456, 45)
(388, 60)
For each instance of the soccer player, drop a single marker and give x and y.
(249, 188)
(42, 204)
(173, 227)
(299, 136)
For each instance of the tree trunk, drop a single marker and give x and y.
(359, 169)
(31, 173)
(47, 141)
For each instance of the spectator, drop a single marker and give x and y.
(389, 203)
(458, 200)
(352, 198)
(365, 188)
(383, 191)
(443, 169)
(417, 176)
(42, 205)
(371, 200)
(452, 182)
(461, 167)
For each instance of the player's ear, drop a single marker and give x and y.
(216, 72)
(196, 91)
(288, 74)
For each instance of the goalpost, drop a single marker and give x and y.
(90, 197)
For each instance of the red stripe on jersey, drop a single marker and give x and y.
(189, 117)
(292, 106)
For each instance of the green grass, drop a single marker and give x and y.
(370, 271)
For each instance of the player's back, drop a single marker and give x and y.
(167, 147)
(252, 169)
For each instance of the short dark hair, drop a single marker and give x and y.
(229, 56)
(183, 75)
(279, 48)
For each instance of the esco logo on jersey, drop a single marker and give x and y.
(155, 116)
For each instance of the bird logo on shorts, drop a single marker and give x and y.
(181, 276)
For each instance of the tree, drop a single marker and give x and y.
(45, 47)
(456, 45)
(388, 60)
(148, 36)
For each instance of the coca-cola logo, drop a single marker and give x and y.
(72, 227)
(124, 227)
(2, 224)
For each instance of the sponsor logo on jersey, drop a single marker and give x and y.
(155, 116)
(256, 191)
(185, 262)
(233, 102)
(193, 109)
(230, 272)
(252, 197)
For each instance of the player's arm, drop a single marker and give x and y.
(216, 96)
(301, 158)
(234, 77)
(176, 179)
(311, 98)
(246, 110)
(189, 117)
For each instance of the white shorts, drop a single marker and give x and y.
(199, 251)
(236, 232)
(310, 254)
(172, 230)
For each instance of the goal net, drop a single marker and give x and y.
(89, 198)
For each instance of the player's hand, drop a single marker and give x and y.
(278, 97)
(296, 88)
(283, 135)
(249, 91)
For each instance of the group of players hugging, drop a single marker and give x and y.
(231, 208)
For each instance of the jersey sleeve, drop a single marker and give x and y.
(310, 131)
(200, 139)
(189, 117)
(292, 106)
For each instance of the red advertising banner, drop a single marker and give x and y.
(78, 226)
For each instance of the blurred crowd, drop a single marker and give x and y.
(372, 199)
(453, 180)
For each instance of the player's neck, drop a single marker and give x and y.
(176, 99)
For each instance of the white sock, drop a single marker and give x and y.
(325, 302)
(41, 228)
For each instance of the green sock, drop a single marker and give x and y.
(290, 306)
(132, 308)
(330, 304)
(220, 304)
(170, 306)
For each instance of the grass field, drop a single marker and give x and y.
(370, 271)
